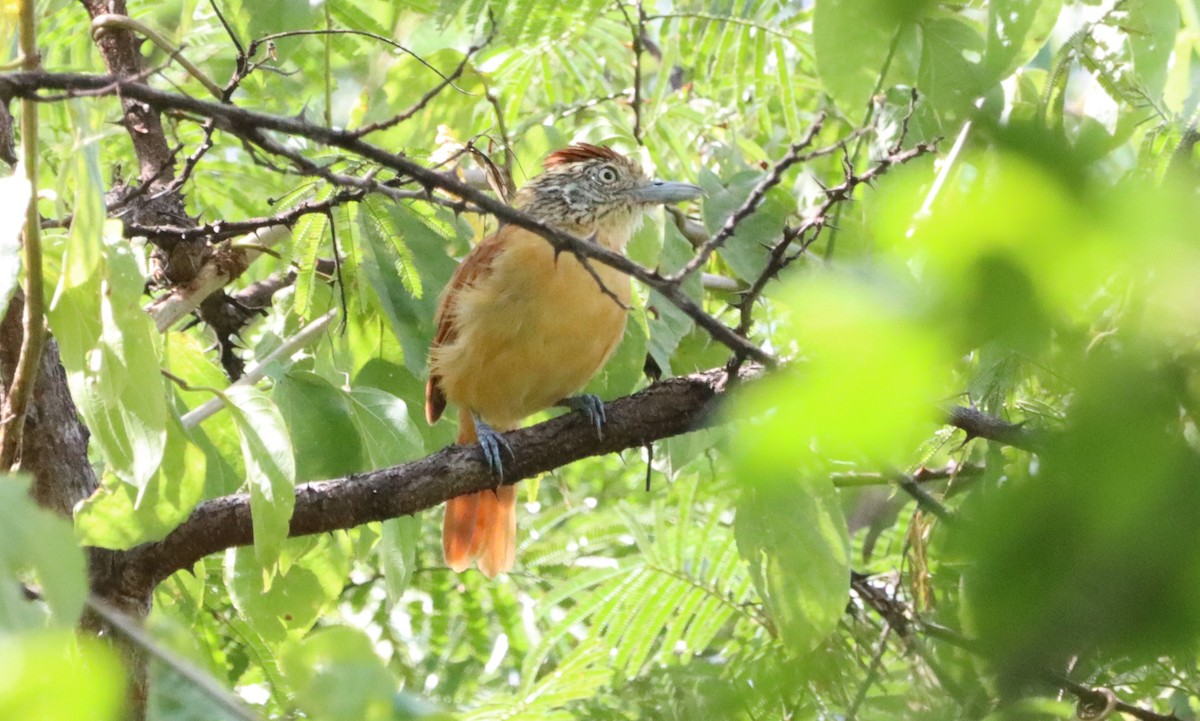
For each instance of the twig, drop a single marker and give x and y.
(431, 94)
(256, 372)
(363, 33)
(794, 155)
(16, 402)
(896, 614)
(251, 124)
(130, 629)
(638, 29)
(978, 424)
(102, 23)
(213, 276)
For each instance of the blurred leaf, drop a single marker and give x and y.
(794, 538)
(336, 676)
(872, 377)
(36, 540)
(1108, 545)
(397, 551)
(38, 670)
(1152, 25)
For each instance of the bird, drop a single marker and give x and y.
(521, 328)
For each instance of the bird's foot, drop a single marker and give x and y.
(592, 407)
(492, 443)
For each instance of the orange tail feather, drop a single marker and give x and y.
(480, 526)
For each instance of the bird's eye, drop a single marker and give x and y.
(607, 174)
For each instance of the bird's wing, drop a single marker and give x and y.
(475, 267)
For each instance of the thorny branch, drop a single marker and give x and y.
(905, 623)
(250, 125)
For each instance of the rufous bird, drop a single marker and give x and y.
(521, 328)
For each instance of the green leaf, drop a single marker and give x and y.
(385, 428)
(952, 73)
(109, 345)
(114, 517)
(397, 551)
(794, 538)
(1151, 25)
(60, 676)
(14, 198)
(850, 70)
(37, 540)
(1016, 30)
(296, 597)
(336, 676)
(321, 426)
(270, 469)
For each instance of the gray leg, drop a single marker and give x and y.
(591, 406)
(491, 443)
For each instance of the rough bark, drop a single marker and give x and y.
(54, 445)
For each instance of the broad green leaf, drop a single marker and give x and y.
(850, 71)
(385, 428)
(336, 676)
(296, 597)
(952, 72)
(37, 540)
(60, 676)
(1016, 30)
(1152, 25)
(397, 551)
(14, 198)
(115, 517)
(109, 345)
(324, 436)
(270, 469)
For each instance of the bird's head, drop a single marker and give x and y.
(589, 189)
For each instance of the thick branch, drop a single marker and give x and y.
(978, 424)
(665, 409)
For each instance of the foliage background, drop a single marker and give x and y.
(1043, 267)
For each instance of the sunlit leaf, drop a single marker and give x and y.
(270, 469)
(37, 668)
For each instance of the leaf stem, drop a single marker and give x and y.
(12, 415)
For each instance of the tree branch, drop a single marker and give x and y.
(250, 125)
(665, 409)
(978, 424)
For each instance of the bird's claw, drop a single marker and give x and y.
(592, 407)
(492, 443)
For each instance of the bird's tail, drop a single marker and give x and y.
(482, 526)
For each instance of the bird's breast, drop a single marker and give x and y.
(531, 333)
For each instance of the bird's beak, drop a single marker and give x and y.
(658, 192)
